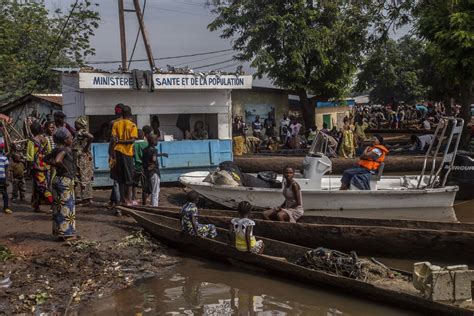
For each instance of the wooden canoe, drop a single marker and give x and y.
(168, 230)
(450, 246)
(331, 220)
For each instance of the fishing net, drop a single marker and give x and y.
(342, 264)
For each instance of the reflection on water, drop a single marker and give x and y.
(204, 288)
(465, 211)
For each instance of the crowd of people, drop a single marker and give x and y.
(59, 163)
(347, 141)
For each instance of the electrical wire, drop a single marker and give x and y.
(136, 38)
(48, 59)
(183, 12)
(214, 64)
(202, 59)
(194, 4)
(162, 58)
(232, 65)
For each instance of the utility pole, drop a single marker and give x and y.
(123, 43)
(149, 53)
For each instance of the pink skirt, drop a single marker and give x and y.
(294, 213)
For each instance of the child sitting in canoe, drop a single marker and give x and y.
(189, 219)
(292, 208)
(241, 231)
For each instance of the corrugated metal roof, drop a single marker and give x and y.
(54, 98)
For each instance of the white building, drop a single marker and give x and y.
(204, 98)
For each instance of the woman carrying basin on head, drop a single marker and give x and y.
(292, 208)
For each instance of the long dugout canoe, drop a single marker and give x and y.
(408, 243)
(167, 229)
(331, 220)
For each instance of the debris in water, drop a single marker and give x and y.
(136, 239)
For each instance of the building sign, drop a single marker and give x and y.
(165, 81)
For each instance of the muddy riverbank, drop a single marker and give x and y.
(47, 275)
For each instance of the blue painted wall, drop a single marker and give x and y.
(184, 156)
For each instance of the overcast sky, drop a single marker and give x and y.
(175, 27)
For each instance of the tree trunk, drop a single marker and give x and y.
(447, 104)
(465, 100)
(308, 110)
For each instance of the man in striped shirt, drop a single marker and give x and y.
(3, 178)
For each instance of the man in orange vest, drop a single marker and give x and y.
(369, 163)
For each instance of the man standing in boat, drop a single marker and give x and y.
(369, 164)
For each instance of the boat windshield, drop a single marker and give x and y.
(319, 146)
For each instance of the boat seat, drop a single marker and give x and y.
(374, 178)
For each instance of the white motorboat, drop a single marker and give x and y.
(421, 197)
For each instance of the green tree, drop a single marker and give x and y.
(309, 47)
(30, 33)
(448, 25)
(393, 73)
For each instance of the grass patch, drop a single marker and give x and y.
(5, 253)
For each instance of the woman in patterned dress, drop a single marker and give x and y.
(37, 148)
(83, 161)
(189, 223)
(64, 211)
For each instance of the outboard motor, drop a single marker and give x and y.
(316, 164)
(462, 175)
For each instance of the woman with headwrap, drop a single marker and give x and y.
(37, 148)
(83, 160)
(64, 207)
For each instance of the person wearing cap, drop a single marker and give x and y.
(369, 163)
(59, 122)
(124, 134)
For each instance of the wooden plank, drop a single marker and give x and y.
(123, 41)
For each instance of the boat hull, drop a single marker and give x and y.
(421, 244)
(166, 230)
(432, 204)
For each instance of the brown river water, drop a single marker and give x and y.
(202, 287)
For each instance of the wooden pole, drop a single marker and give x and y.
(123, 43)
(149, 53)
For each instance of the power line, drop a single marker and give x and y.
(201, 5)
(48, 59)
(214, 64)
(162, 58)
(179, 11)
(202, 59)
(232, 65)
(136, 38)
